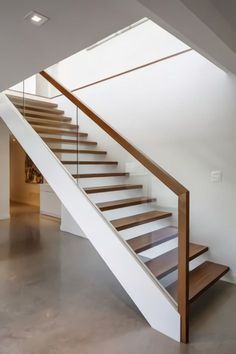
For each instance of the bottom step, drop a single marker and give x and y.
(168, 262)
(200, 279)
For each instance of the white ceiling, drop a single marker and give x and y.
(227, 9)
(208, 26)
(74, 24)
(219, 15)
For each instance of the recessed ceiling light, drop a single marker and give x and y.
(36, 18)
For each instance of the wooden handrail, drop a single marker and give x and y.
(128, 71)
(168, 181)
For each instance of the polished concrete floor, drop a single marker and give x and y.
(57, 296)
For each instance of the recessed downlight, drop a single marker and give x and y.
(36, 18)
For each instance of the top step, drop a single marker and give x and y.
(31, 101)
(167, 262)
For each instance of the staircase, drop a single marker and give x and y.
(65, 139)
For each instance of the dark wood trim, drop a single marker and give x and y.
(78, 151)
(112, 188)
(101, 175)
(127, 71)
(183, 265)
(78, 162)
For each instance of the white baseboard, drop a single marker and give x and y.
(73, 234)
(46, 213)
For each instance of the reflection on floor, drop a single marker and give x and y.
(57, 296)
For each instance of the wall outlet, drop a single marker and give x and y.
(216, 176)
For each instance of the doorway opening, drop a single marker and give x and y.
(21, 193)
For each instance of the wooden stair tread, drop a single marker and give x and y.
(51, 123)
(38, 109)
(168, 262)
(27, 100)
(48, 131)
(200, 279)
(152, 239)
(44, 115)
(67, 162)
(122, 203)
(111, 188)
(98, 175)
(73, 151)
(69, 141)
(139, 219)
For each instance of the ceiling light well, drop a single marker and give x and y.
(36, 18)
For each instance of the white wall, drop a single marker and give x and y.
(181, 113)
(4, 172)
(185, 120)
(68, 224)
(50, 204)
(29, 86)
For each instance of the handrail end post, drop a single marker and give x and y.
(183, 265)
